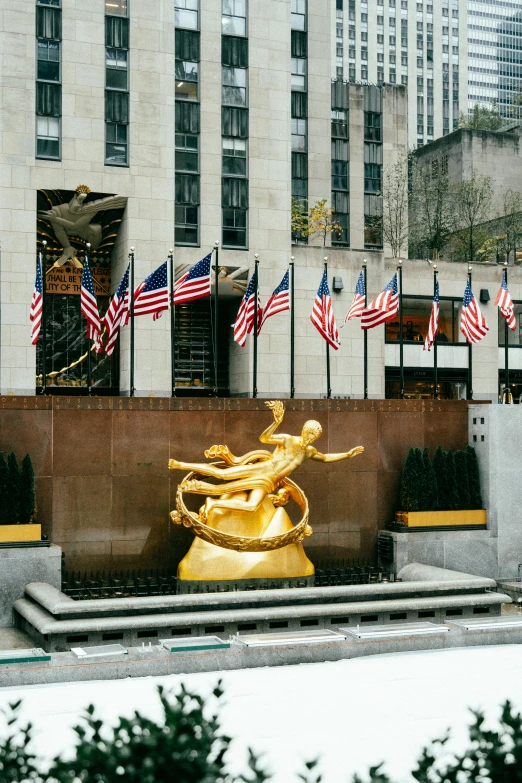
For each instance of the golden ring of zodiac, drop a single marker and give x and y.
(287, 489)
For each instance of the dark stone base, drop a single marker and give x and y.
(186, 586)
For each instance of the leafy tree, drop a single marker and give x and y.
(431, 210)
(17, 763)
(321, 221)
(13, 489)
(27, 492)
(5, 516)
(461, 474)
(473, 478)
(299, 220)
(395, 205)
(452, 497)
(472, 207)
(482, 118)
(430, 481)
(511, 223)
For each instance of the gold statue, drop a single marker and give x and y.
(245, 517)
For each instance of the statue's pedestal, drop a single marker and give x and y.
(186, 586)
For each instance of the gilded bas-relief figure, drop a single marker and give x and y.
(242, 530)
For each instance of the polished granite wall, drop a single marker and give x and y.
(104, 490)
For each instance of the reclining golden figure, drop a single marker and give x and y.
(245, 517)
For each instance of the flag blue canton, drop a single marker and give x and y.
(124, 284)
(38, 282)
(436, 298)
(158, 279)
(87, 279)
(201, 268)
(251, 287)
(468, 295)
(284, 285)
(392, 285)
(323, 289)
(359, 288)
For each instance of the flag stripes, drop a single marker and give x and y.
(505, 305)
(117, 314)
(89, 307)
(195, 284)
(244, 323)
(433, 326)
(278, 302)
(384, 307)
(358, 304)
(152, 296)
(472, 323)
(35, 313)
(322, 315)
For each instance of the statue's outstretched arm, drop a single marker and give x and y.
(278, 409)
(338, 457)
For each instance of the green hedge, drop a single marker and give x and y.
(449, 482)
(17, 492)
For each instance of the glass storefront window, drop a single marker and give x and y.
(418, 384)
(415, 319)
(514, 337)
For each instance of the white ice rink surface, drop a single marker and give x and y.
(352, 713)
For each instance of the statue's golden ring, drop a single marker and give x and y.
(182, 516)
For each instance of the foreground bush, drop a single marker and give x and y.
(187, 746)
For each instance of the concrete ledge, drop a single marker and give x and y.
(64, 667)
(21, 565)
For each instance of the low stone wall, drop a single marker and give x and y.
(104, 491)
(21, 565)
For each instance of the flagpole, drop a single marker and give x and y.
(507, 390)
(328, 386)
(365, 331)
(216, 304)
(256, 294)
(89, 360)
(435, 366)
(172, 326)
(292, 328)
(44, 313)
(401, 337)
(470, 355)
(131, 309)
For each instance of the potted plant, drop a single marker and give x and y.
(17, 501)
(444, 492)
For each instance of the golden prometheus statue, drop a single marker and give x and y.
(242, 530)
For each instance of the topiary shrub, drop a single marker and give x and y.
(440, 470)
(461, 474)
(13, 489)
(409, 499)
(5, 518)
(452, 498)
(430, 483)
(473, 478)
(27, 492)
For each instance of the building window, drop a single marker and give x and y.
(234, 157)
(415, 319)
(298, 135)
(186, 14)
(48, 61)
(234, 227)
(186, 225)
(186, 152)
(116, 144)
(298, 14)
(186, 75)
(372, 126)
(299, 73)
(47, 137)
(233, 21)
(234, 86)
(116, 7)
(48, 87)
(116, 69)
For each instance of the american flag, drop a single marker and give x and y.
(278, 302)
(35, 313)
(118, 312)
(89, 308)
(322, 314)
(433, 326)
(472, 323)
(245, 317)
(152, 296)
(358, 304)
(505, 304)
(383, 308)
(195, 283)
